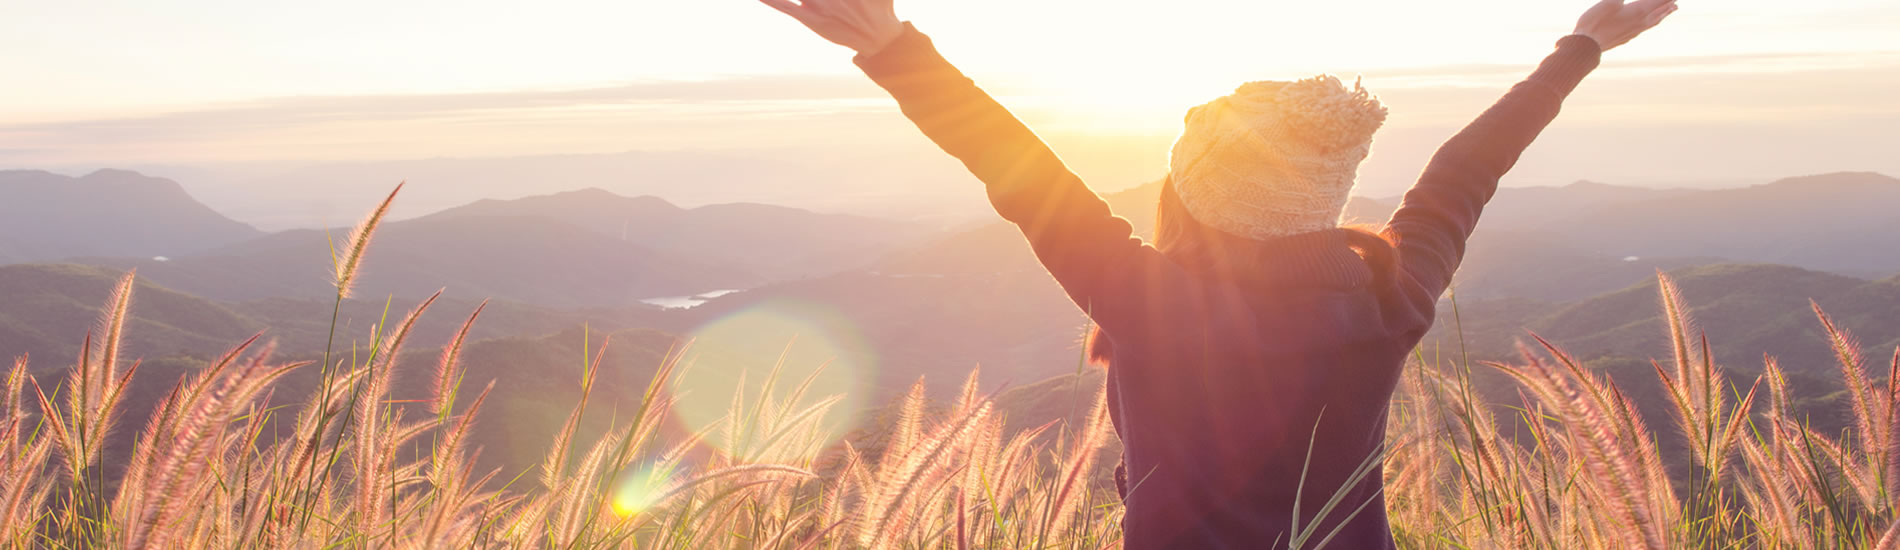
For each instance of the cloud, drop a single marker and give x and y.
(1740, 64)
(302, 110)
(744, 112)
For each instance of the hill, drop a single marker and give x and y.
(570, 250)
(921, 182)
(775, 242)
(47, 310)
(525, 259)
(46, 216)
(1748, 310)
(1826, 222)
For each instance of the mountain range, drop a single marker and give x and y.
(933, 300)
(570, 250)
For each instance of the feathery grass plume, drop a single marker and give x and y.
(742, 470)
(1088, 444)
(1617, 475)
(1892, 434)
(1872, 408)
(162, 432)
(980, 461)
(910, 419)
(1693, 387)
(448, 375)
(1698, 391)
(448, 474)
(887, 511)
(373, 437)
(1890, 540)
(94, 388)
(15, 412)
(112, 326)
(968, 398)
(552, 470)
(23, 457)
(1016, 468)
(1411, 474)
(357, 245)
(207, 405)
(583, 501)
(446, 459)
(1774, 509)
(102, 386)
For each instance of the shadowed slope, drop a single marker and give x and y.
(46, 216)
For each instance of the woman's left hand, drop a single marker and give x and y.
(863, 25)
(1613, 23)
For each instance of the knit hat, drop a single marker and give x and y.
(1275, 158)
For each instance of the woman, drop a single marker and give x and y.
(1253, 347)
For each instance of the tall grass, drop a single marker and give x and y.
(1585, 471)
(1572, 466)
(356, 467)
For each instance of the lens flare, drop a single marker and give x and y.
(638, 490)
(757, 381)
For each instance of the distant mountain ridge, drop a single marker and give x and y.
(1747, 310)
(588, 248)
(595, 248)
(528, 259)
(780, 242)
(1832, 222)
(1836, 222)
(46, 310)
(46, 216)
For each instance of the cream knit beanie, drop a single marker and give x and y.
(1275, 158)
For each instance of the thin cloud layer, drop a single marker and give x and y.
(1752, 103)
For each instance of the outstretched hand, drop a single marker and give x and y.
(863, 25)
(1613, 23)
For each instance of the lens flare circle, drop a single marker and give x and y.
(724, 374)
(638, 490)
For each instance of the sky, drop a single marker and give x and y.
(1731, 91)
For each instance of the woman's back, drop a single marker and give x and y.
(1268, 390)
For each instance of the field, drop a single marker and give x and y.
(221, 464)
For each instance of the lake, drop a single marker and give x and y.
(686, 302)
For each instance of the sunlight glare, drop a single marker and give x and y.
(808, 342)
(637, 491)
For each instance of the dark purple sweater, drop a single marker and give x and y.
(1228, 373)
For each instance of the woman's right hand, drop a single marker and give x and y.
(863, 25)
(1613, 23)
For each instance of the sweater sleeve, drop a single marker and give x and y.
(1439, 213)
(1108, 271)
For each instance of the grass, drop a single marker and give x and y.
(220, 464)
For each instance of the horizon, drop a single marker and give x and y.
(444, 204)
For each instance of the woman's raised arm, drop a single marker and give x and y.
(863, 25)
(1442, 209)
(1091, 252)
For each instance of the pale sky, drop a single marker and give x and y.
(1731, 89)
